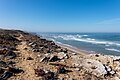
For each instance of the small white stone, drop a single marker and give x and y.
(74, 53)
(108, 68)
(63, 60)
(112, 72)
(77, 69)
(42, 59)
(46, 55)
(38, 55)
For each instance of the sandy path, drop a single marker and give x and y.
(27, 65)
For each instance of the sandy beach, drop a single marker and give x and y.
(72, 49)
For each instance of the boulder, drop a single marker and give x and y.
(92, 66)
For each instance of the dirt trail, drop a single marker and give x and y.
(27, 65)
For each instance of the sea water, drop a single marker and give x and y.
(103, 43)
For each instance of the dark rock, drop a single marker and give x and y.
(97, 55)
(54, 58)
(3, 64)
(6, 75)
(49, 76)
(1, 71)
(116, 60)
(10, 54)
(25, 48)
(15, 70)
(39, 72)
(3, 51)
(49, 51)
(29, 58)
(109, 70)
(10, 62)
(61, 69)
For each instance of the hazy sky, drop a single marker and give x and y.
(61, 15)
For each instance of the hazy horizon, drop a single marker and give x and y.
(61, 15)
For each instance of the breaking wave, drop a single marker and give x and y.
(112, 49)
(88, 40)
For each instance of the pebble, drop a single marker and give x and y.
(74, 53)
(112, 72)
(38, 55)
(77, 69)
(63, 60)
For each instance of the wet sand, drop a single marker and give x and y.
(73, 49)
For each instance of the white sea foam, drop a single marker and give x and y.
(85, 35)
(112, 49)
(107, 45)
(88, 40)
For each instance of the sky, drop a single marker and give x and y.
(61, 15)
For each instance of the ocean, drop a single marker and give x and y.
(102, 43)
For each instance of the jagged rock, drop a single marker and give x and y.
(5, 75)
(1, 71)
(10, 62)
(108, 68)
(54, 58)
(15, 70)
(3, 64)
(61, 69)
(10, 54)
(34, 45)
(30, 44)
(46, 59)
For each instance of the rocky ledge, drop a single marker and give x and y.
(26, 56)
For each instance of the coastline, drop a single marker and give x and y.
(72, 49)
(69, 47)
(35, 54)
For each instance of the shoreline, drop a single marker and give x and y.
(72, 48)
(69, 47)
(78, 50)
